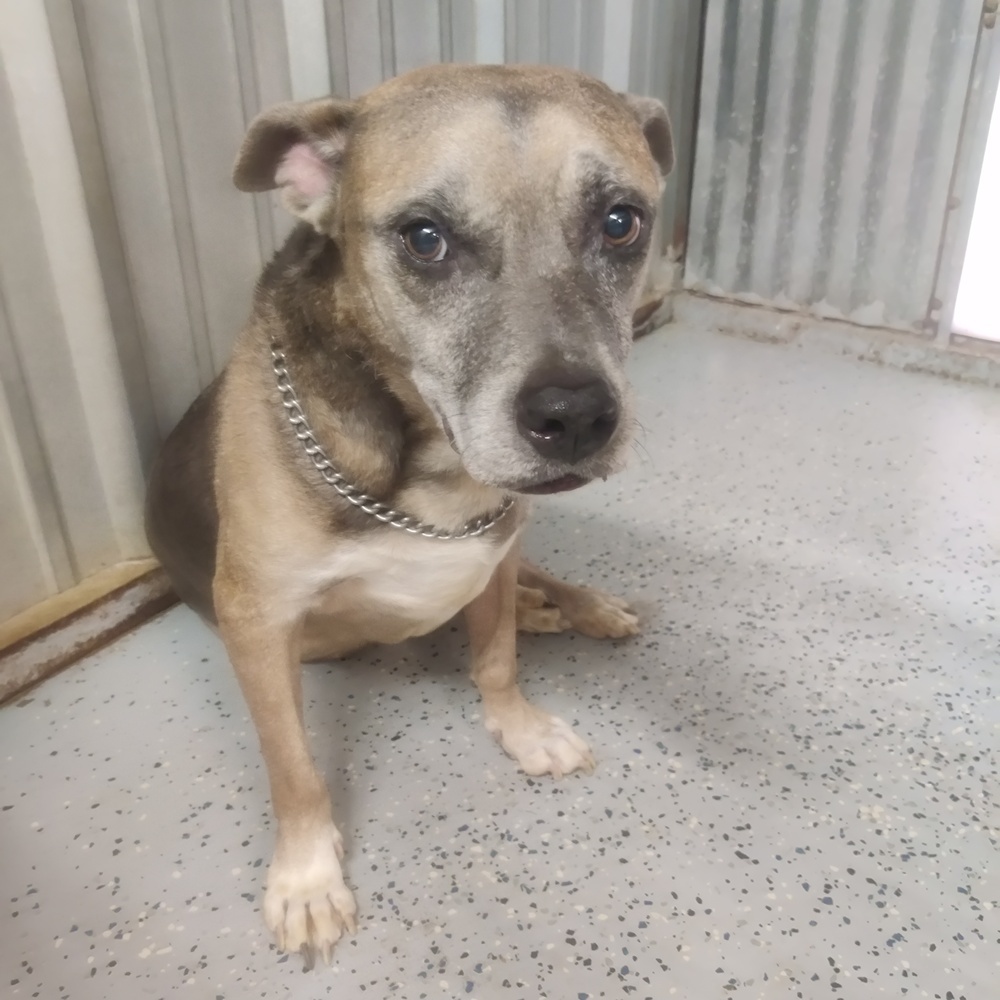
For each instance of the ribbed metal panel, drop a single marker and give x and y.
(826, 145)
(70, 471)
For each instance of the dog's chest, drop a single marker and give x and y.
(416, 583)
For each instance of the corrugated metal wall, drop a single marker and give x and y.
(69, 465)
(127, 255)
(826, 144)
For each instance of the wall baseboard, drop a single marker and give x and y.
(965, 359)
(56, 633)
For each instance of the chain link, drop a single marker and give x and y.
(353, 495)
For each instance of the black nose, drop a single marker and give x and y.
(568, 424)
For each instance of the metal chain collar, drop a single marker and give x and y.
(352, 494)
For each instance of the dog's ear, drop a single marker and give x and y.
(298, 147)
(655, 124)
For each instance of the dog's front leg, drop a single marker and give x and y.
(539, 742)
(306, 904)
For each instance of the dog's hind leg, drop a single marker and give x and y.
(536, 614)
(539, 742)
(585, 609)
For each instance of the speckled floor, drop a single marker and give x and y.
(796, 794)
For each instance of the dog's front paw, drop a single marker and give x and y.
(307, 906)
(600, 615)
(539, 742)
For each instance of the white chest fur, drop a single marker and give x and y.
(401, 584)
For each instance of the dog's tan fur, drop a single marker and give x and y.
(407, 381)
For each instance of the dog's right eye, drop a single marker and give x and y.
(622, 226)
(425, 242)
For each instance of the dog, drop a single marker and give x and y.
(442, 337)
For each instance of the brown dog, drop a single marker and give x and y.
(446, 332)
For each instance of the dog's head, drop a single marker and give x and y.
(494, 224)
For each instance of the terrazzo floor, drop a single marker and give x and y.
(798, 759)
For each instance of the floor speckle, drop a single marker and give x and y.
(798, 758)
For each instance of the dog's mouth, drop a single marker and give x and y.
(561, 485)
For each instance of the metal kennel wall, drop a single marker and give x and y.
(127, 257)
(833, 147)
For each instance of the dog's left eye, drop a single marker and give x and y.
(622, 226)
(425, 242)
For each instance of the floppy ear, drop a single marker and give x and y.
(298, 147)
(655, 124)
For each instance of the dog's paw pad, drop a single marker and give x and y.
(307, 905)
(535, 613)
(530, 597)
(541, 620)
(542, 743)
